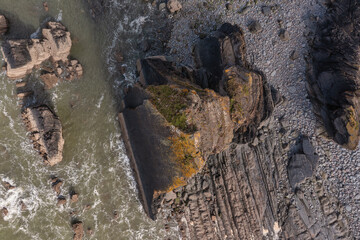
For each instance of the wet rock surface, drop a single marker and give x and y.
(45, 132)
(22, 55)
(78, 229)
(333, 75)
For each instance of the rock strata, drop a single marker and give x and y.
(245, 193)
(177, 116)
(45, 132)
(333, 74)
(22, 55)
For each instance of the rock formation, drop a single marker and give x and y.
(177, 116)
(245, 193)
(22, 55)
(45, 132)
(3, 25)
(333, 76)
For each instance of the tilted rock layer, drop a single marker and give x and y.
(45, 132)
(245, 193)
(184, 115)
(333, 76)
(22, 55)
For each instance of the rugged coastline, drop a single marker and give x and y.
(221, 137)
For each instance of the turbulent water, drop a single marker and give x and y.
(94, 163)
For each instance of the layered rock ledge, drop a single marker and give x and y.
(23, 55)
(177, 116)
(333, 75)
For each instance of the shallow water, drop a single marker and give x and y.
(94, 162)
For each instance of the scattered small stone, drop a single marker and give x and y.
(8, 186)
(46, 7)
(115, 215)
(294, 55)
(89, 231)
(162, 6)
(74, 197)
(255, 27)
(23, 206)
(284, 35)
(56, 185)
(174, 6)
(61, 201)
(266, 10)
(4, 211)
(228, 6)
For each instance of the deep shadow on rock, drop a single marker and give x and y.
(177, 116)
(333, 74)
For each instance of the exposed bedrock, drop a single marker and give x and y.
(178, 116)
(333, 75)
(45, 132)
(24, 54)
(245, 193)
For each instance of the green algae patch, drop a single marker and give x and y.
(171, 103)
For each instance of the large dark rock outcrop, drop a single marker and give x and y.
(177, 116)
(333, 76)
(45, 132)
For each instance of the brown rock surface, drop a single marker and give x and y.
(45, 132)
(22, 55)
(3, 25)
(189, 112)
(78, 229)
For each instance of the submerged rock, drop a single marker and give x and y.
(3, 25)
(78, 229)
(24, 54)
(45, 132)
(333, 73)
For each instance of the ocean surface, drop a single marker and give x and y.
(94, 163)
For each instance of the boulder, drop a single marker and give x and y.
(24, 54)
(61, 201)
(333, 73)
(303, 162)
(56, 185)
(3, 25)
(8, 186)
(74, 197)
(78, 229)
(174, 6)
(45, 132)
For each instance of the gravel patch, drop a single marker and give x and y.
(278, 47)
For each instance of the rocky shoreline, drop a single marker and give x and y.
(239, 133)
(198, 216)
